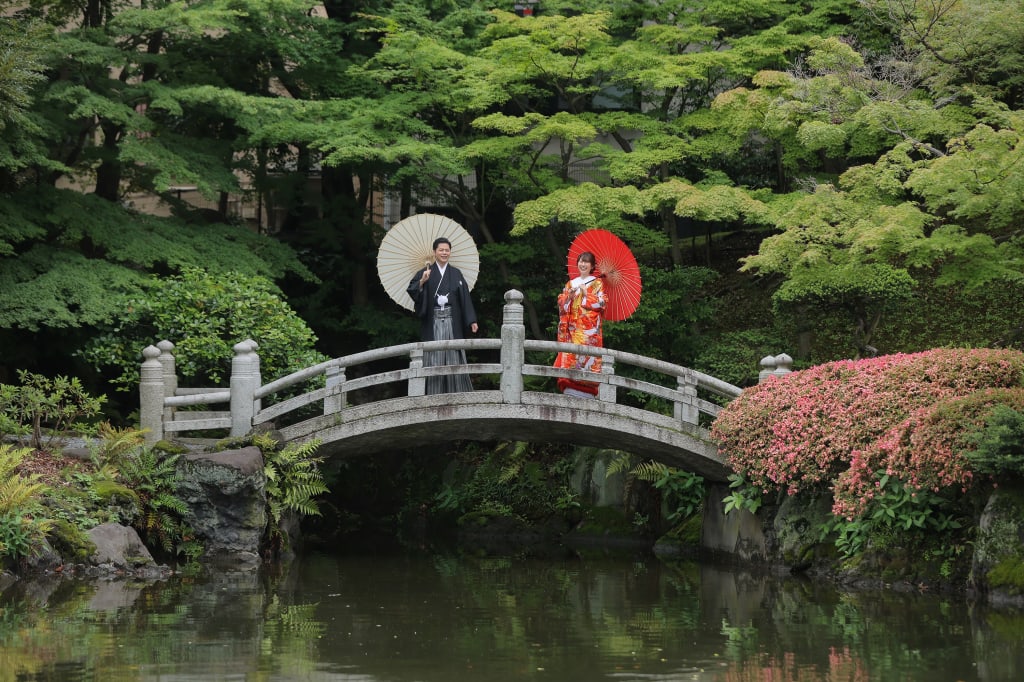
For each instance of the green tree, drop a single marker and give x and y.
(21, 69)
(897, 185)
(138, 101)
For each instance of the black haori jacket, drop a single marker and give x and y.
(424, 301)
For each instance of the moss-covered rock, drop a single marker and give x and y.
(170, 447)
(796, 530)
(998, 564)
(71, 542)
(605, 522)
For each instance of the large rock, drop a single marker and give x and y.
(120, 550)
(226, 493)
(998, 563)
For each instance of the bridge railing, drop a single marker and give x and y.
(161, 397)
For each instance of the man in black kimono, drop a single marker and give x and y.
(440, 296)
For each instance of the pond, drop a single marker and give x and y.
(449, 617)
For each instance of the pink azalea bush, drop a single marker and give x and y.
(927, 450)
(835, 425)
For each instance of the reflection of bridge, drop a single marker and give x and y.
(665, 423)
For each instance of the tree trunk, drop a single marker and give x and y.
(108, 175)
(345, 217)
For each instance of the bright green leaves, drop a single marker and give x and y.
(854, 285)
(980, 182)
(586, 205)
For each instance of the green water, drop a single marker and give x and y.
(453, 618)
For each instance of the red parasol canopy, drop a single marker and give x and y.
(616, 264)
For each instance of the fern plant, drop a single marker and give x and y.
(18, 493)
(161, 518)
(146, 480)
(294, 480)
(22, 527)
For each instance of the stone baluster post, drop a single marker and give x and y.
(245, 379)
(606, 392)
(783, 365)
(685, 409)
(335, 401)
(777, 366)
(151, 395)
(513, 354)
(170, 375)
(417, 385)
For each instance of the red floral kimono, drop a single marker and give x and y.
(580, 308)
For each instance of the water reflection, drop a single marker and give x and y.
(449, 618)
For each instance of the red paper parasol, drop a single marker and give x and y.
(616, 264)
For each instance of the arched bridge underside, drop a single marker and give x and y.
(411, 422)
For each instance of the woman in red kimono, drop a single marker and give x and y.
(580, 309)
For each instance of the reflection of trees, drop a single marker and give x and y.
(457, 617)
(810, 629)
(501, 617)
(211, 624)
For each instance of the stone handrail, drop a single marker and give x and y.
(160, 395)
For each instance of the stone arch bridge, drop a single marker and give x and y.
(339, 404)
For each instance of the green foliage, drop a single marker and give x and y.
(1008, 574)
(896, 509)
(142, 483)
(960, 45)
(998, 449)
(22, 526)
(161, 514)
(18, 493)
(682, 492)
(43, 403)
(21, 69)
(511, 480)
(294, 480)
(74, 258)
(934, 316)
(79, 504)
(743, 495)
(205, 314)
(735, 356)
(17, 537)
(674, 308)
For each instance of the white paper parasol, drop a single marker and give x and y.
(406, 250)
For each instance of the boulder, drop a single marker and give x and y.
(227, 499)
(119, 549)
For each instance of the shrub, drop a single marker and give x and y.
(801, 431)
(999, 447)
(204, 315)
(927, 451)
(43, 403)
